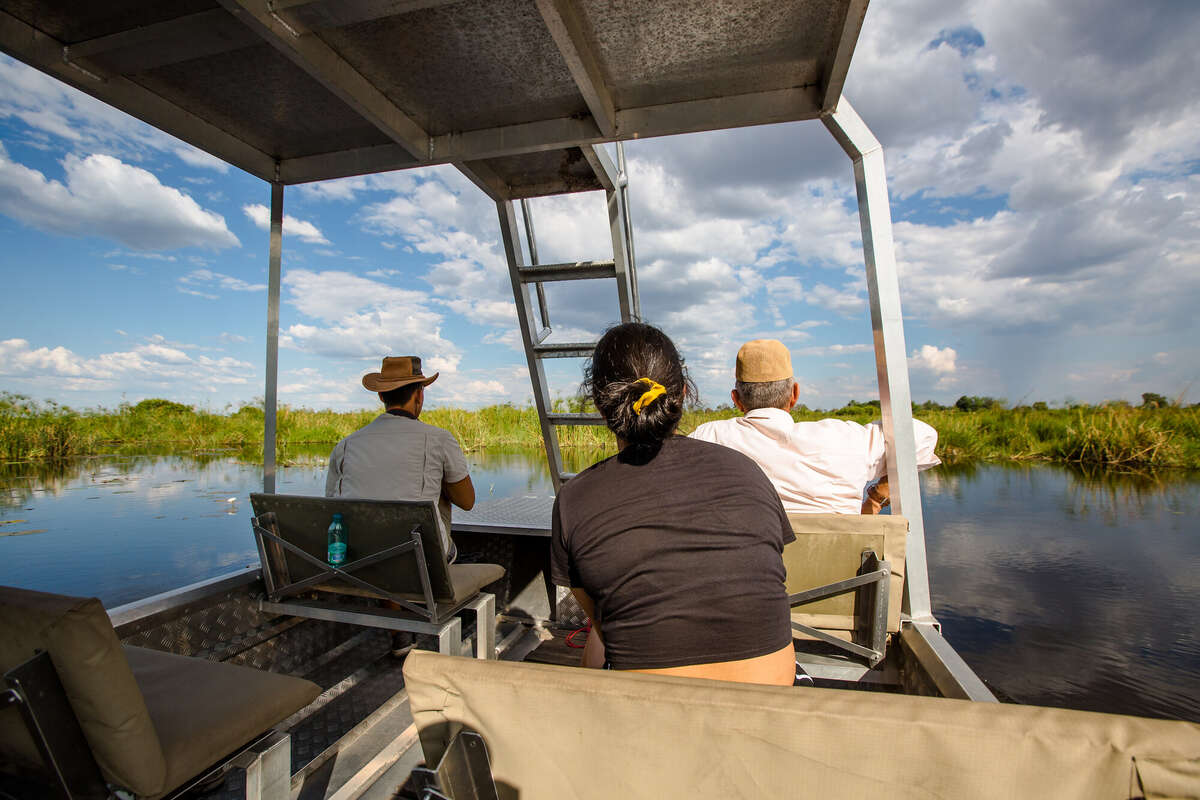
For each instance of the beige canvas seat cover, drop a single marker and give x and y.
(563, 732)
(828, 549)
(152, 719)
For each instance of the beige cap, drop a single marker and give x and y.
(763, 361)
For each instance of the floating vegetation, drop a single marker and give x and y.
(4, 532)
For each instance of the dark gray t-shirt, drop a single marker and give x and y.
(681, 555)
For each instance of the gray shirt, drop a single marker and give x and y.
(397, 458)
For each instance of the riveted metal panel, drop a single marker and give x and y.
(80, 20)
(464, 66)
(676, 50)
(256, 94)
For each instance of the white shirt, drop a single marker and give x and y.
(817, 467)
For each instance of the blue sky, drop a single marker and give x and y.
(1042, 162)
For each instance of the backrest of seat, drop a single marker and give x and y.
(371, 526)
(95, 675)
(567, 732)
(828, 548)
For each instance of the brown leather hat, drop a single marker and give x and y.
(397, 371)
(763, 361)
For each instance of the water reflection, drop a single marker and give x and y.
(1059, 586)
(1066, 587)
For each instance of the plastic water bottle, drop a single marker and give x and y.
(337, 542)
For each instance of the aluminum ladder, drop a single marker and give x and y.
(536, 328)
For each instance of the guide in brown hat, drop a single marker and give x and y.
(398, 457)
(817, 467)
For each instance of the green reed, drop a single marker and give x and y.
(1113, 435)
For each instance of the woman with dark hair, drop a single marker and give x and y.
(673, 546)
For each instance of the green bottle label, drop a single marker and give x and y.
(337, 553)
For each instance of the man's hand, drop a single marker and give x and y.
(878, 496)
(462, 493)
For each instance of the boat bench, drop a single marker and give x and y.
(84, 710)
(396, 554)
(549, 732)
(845, 583)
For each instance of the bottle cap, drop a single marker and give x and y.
(337, 516)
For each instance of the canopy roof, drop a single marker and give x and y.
(513, 92)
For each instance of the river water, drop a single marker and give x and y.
(1058, 587)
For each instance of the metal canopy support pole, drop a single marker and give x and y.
(270, 394)
(533, 261)
(627, 218)
(887, 326)
(511, 236)
(618, 226)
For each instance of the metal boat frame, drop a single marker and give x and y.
(311, 62)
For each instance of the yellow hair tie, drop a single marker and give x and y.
(655, 391)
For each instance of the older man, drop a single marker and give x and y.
(398, 457)
(817, 467)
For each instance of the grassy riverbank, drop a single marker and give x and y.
(1111, 435)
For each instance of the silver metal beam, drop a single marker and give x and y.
(483, 176)
(602, 164)
(310, 53)
(511, 235)
(618, 227)
(887, 325)
(204, 33)
(553, 134)
(631, 263)
(535, 264)
(942, 665)
(573, 271)
(344, 163)
(762, 108)
(568, 33)
(46, 54)
(311, 15)
(565, 350)
(270, 393)
(835, 73)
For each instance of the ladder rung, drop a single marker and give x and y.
(575, 419)
(564, 350)
(572, 271)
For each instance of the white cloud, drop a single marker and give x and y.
(103, 196)
(303, 230)
(198, 158)
(206, 277)
(932, 359)
(85, 123)
(362, 318)
(152, 364)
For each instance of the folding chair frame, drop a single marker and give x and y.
(433, 620)
(875, 581)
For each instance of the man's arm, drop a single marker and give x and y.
(461, 493)
(456, 483)
(334, 476)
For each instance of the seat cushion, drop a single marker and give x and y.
(467, 579)
(95, 675)
(205, 710)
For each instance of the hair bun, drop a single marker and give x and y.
(638, 382)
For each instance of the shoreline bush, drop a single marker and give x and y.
(1151, 435)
